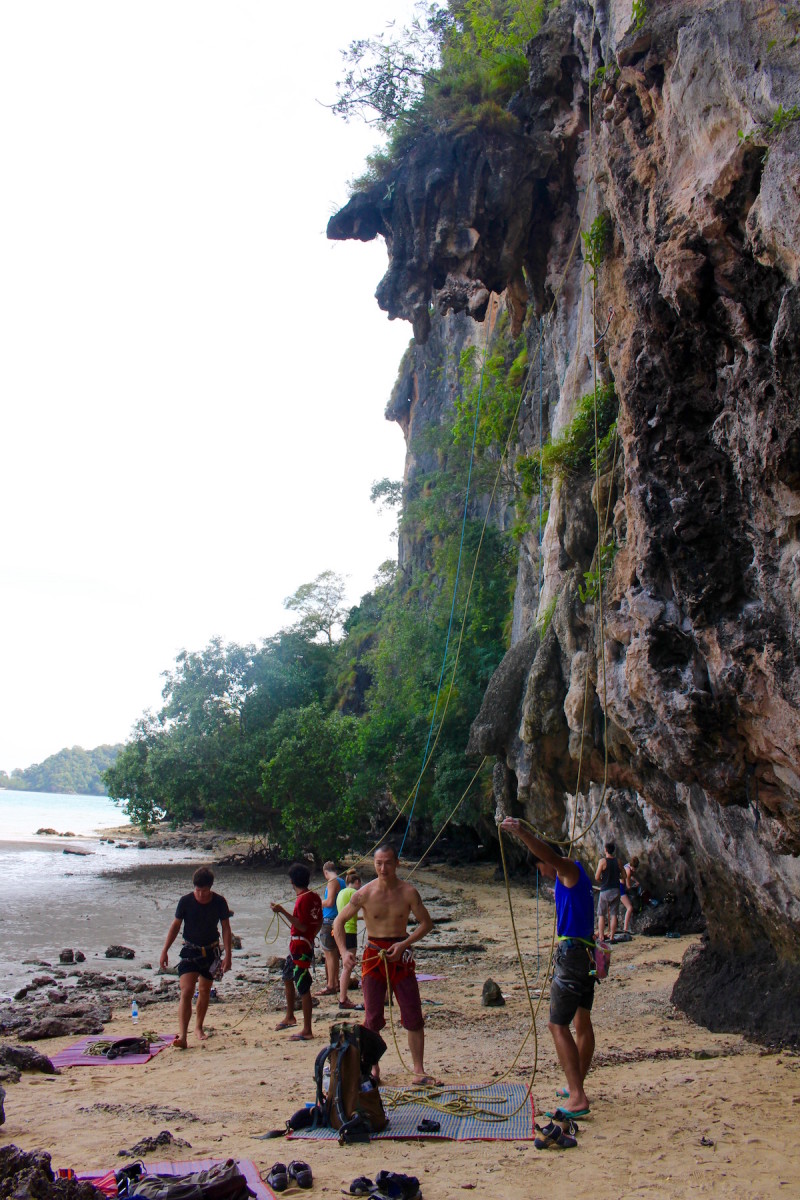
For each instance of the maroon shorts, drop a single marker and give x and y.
(404, 987)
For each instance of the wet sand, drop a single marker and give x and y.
(676, 1111)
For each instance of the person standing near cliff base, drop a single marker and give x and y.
(352, 883)
(387, 902)
(333, 885)
(201, 961)
(572, 986)
(305, 921)
(608, 875)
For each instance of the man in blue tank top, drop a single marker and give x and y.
(572, 986)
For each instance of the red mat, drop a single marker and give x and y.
(246, 1165)
(76, 1056)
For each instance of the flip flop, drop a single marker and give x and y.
(286, 1025)
(302, 1037)
(327, 992)
(426, 1081)
(562, 1093)
(348, 1004)
(562, 1114)
(427, 1125)
(300, 1172)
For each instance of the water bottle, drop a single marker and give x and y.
(134, 1012)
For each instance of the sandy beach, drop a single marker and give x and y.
(676, 1111)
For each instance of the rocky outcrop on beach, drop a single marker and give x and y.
(650, 694)
(28, 1176)
(61, 1004)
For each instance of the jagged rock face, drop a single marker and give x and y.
(674, 711)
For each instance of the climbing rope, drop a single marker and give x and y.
(455, 584)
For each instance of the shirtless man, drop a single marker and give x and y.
(386, 904)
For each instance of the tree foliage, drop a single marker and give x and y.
(319, 604)
(72, 770)
(454, 62)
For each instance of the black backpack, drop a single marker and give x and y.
(352, 1096)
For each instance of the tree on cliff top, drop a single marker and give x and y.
(450, 60)
(319, 604)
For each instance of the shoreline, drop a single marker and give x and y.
(677, 1110)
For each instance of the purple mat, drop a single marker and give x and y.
(76, 1056)
(246, 1165)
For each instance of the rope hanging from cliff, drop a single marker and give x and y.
(455, 585)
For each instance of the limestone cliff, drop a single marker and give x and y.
(668, 715)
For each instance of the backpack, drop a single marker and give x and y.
(223, 1181)
(352, 1093)
(128, 1045)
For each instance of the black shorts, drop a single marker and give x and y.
(350, 941)
(572, 986)
(299, 976)
(204, 965)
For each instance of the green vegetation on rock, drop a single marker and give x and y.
(454, 66)
(73, 771)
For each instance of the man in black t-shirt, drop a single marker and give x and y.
(201, 959)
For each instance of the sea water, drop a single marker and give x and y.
(113, 892)
(22, 813)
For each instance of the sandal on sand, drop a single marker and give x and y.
(302, 1037)
(363, 1186)
(285, 1025)
(553, 1136)
(350, 1004)
(300, 1172)
(277, 1178)
(327, 992)
(562, 1114)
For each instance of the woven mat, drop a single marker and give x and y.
(76, 1056)
(503, 1100)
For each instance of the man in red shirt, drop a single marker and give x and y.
(306, 922)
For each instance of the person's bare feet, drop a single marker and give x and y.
(180, 1043)
(201, 1035)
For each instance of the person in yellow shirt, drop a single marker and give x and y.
(352, 881)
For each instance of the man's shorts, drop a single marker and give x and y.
(326, 938)
(299, 976)
(572, 986)
(405, 991)
(350, 940)
(608, 903)
(204, 965)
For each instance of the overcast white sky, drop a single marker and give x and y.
(193, 378)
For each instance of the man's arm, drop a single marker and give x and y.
(566, 870)
(172, 933)
(227, 941)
